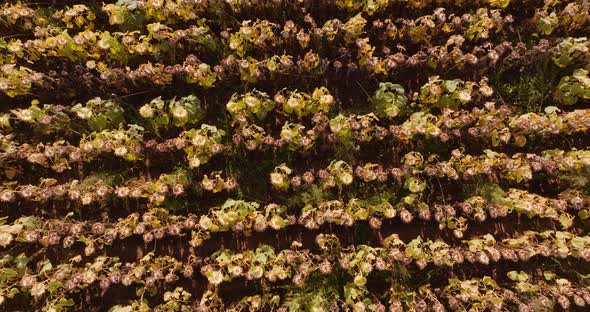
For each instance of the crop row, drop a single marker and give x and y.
(261, 35)
(56, 282)
(18, 80)
(240, 216)
(390, 101)
(413, 173)
(266, 34)
(495, 125)
(22, 13)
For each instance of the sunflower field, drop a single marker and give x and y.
(295, 155)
